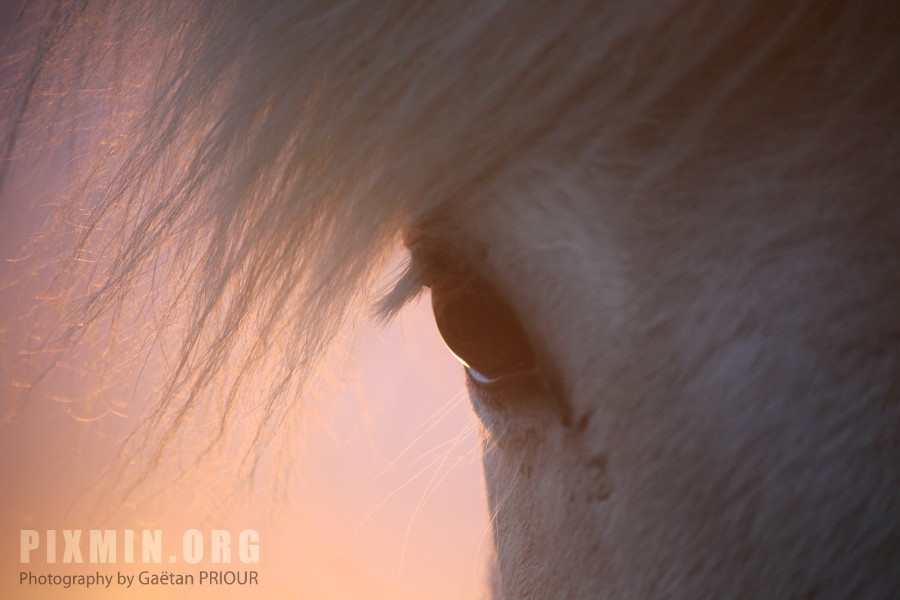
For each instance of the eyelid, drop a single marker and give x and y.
(481, 379)
(430, 262)
(409, 285)
(438, 248)
(487, 381)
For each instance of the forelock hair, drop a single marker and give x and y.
(260, 159)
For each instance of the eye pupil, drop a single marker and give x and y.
(481, 329)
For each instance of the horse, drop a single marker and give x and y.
(663, 239)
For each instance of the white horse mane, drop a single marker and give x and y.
(267, 157)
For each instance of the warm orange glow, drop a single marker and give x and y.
(386, 502)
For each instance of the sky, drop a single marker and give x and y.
(384, 498)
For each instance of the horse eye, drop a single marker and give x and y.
(481, 330)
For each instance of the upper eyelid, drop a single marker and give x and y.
(407, 287)
(427, 265)
(440, 241)
(424, 258)
(442, 253)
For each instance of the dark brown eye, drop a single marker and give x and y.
(481, 329)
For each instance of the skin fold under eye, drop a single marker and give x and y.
(481, 329)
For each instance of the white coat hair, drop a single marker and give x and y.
(691, 207)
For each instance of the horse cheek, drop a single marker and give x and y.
(548, 510)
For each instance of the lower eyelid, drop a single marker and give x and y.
(486, 380)
(509, 388)
(522, 392)
(481, 379)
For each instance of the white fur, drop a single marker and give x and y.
(692, 208)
